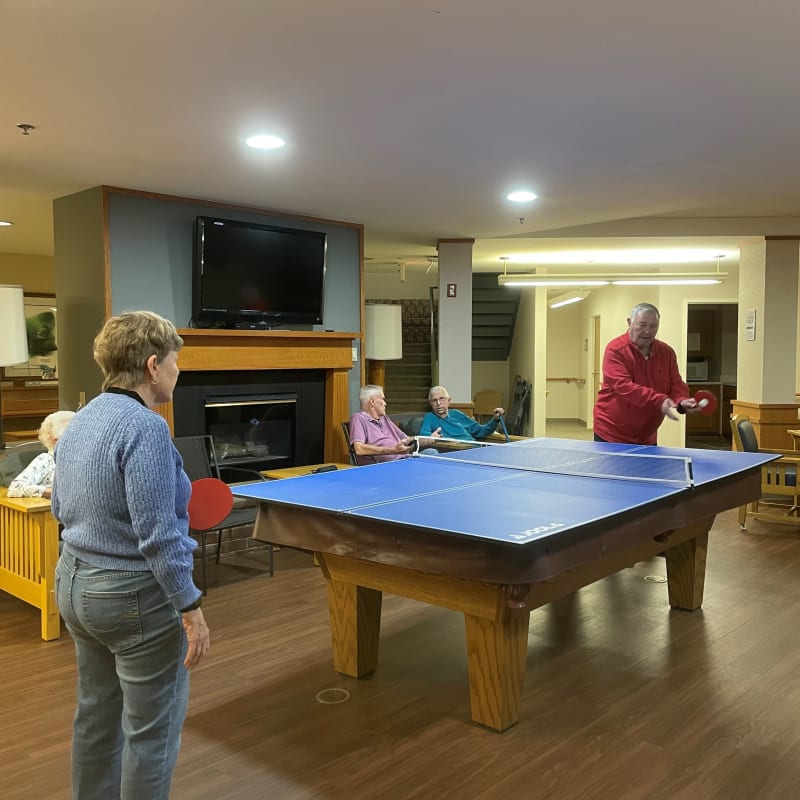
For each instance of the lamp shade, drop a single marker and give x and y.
(384, 331)
(13, 336)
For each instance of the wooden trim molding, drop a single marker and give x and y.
(770, 421)
(215, 350)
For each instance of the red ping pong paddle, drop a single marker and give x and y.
(706, 400)
(210, 503)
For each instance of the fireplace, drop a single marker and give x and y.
(259, 419)
(212, 352)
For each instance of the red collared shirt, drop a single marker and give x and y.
(628, 407)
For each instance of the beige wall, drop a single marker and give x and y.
(35, 274)
(492, 375)
(565, 337)
(388, 285)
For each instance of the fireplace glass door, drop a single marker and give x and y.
(253, 432)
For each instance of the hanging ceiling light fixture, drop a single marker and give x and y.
(604, 278)
(620, 279)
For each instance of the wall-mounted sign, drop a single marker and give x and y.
(750, 325)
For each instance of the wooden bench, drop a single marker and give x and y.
(28, 555)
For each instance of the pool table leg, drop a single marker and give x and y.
(496, 660)
(355, 613)
(686, 572)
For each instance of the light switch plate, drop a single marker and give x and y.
(355, 354)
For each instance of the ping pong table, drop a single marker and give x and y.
(496, 532)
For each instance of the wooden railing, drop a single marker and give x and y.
(581, 381)
(28, 554)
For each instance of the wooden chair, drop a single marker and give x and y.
(200, 461)
(486, 402)
(780, 494)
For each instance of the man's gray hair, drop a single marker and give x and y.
(438, 389)
(368, 392)
(644, 308)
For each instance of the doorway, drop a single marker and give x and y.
(711, 364)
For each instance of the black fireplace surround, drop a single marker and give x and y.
(259, 419)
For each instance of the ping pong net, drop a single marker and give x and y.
(564, 461)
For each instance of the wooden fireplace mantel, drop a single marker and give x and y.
(212, 349)
(209, 349)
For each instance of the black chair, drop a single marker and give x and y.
(200, 461)
(780, 493)
(14, 460)
(350, 449)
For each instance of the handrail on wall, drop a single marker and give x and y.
(568, 380)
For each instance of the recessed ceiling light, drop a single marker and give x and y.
(265, 141)
(521, 196)
(5, 223)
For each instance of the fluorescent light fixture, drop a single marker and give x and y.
(554, 280)
(521, 196)
(265, 141)
(4, 223)
(600, 279)
(568, 299)
(661, 255)
(687, 281)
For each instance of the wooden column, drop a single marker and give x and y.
(770, 422)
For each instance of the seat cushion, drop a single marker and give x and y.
(14, 459)
(411, 426)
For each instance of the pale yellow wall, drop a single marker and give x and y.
(524, 347)
(34, 273)
(751, 291)
(565, 335)
(384, 286)
(492, 375)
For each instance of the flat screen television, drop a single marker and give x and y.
(253, 276)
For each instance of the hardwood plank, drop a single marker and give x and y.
(624, 697)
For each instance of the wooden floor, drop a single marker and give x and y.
(624, 698)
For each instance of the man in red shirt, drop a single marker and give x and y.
(641, 384)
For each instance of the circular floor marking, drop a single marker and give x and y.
(655, 578)
(333, 696)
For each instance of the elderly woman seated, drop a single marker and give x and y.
(36, 480)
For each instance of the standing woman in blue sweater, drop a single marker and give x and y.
(124, 579)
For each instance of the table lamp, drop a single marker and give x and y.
(13, 335)
(384, 339)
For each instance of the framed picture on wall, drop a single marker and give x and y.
(40, 323)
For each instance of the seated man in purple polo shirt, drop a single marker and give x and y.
(374, 436)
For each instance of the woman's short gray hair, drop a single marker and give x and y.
(122, 347)
(52, 427)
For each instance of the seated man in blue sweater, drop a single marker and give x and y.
(454, 424)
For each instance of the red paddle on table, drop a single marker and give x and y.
(706, 400)
(210, 503)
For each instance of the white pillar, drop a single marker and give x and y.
(455, 318)
(767, 362)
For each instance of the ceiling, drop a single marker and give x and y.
(635, 124)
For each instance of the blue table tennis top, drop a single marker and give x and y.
(495, 499)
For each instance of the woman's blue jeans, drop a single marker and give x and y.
(133, 689)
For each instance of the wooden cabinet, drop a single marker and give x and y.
(705, 423)
(24, 407)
